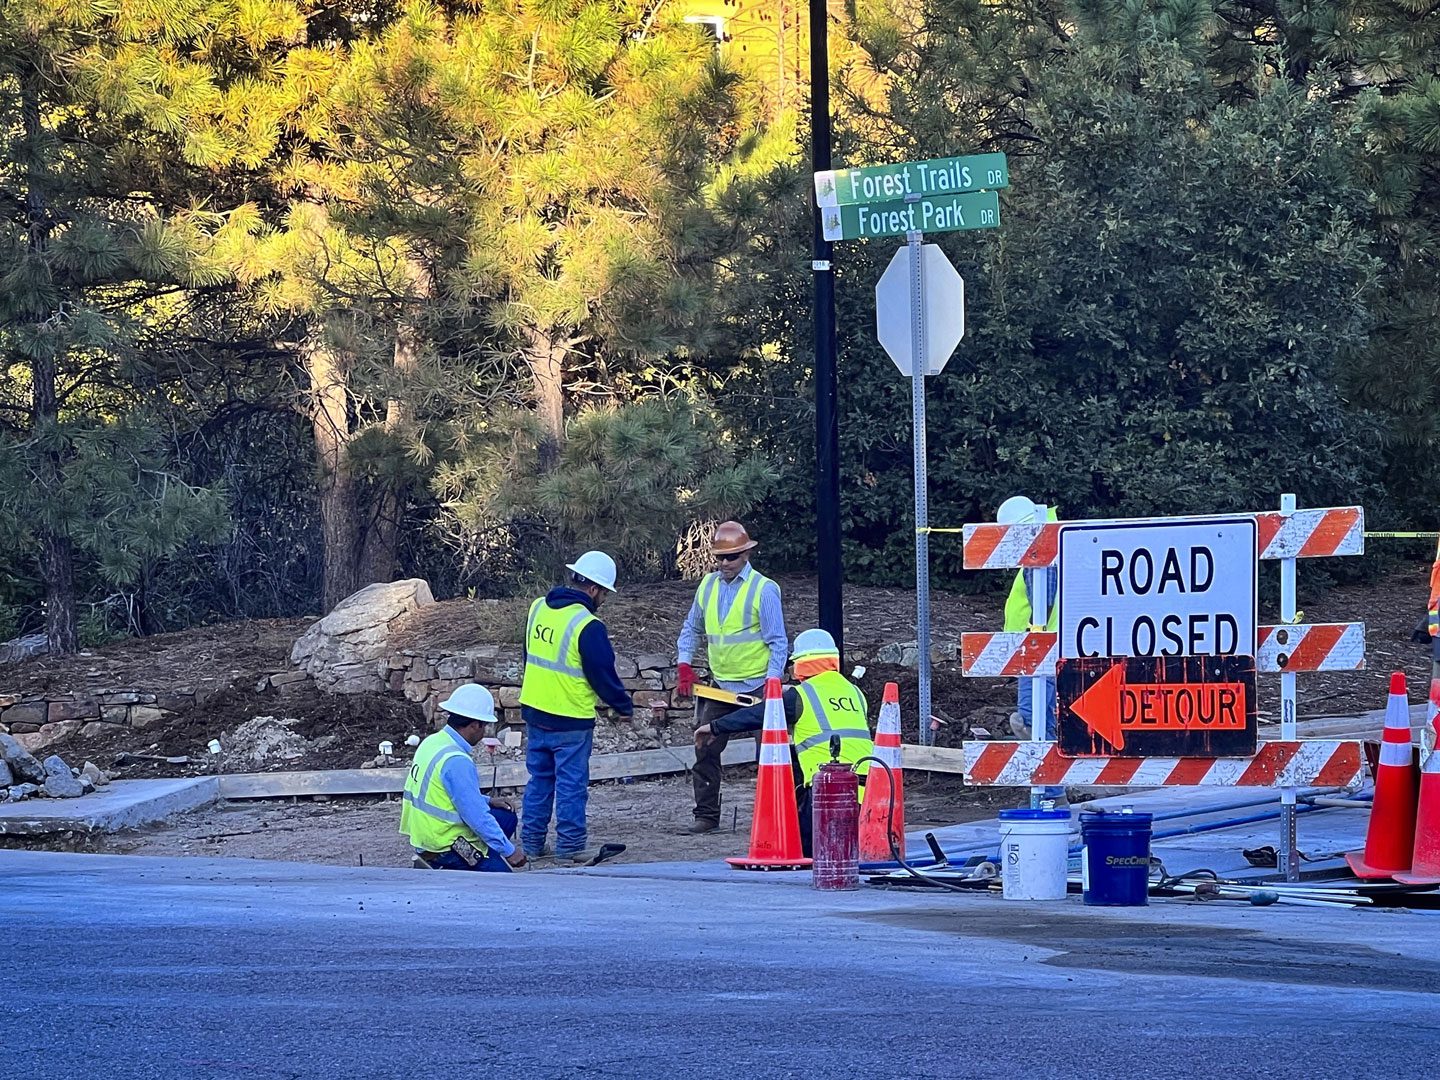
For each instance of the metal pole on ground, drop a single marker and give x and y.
(827, 426)
(918, 360)
(1289, 853)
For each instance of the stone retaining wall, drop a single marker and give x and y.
(38, 722)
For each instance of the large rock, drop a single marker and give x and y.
(63, 786)
(23, 648)
(6, 776)
(48, 735)
(344, 651)
(22, 763)
(29, 712)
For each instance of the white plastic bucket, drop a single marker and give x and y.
(1034, 853)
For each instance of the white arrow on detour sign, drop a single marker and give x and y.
(944, 309)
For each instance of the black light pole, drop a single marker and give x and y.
(827, 428)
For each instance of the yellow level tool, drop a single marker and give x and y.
(714, 693)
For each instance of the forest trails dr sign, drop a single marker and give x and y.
(940, 195)
(1157, 625)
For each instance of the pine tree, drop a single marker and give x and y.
(87, 262)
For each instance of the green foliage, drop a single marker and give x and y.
(1147, 332)
(629, 480)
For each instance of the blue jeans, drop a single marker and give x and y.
(559, 767)
(1025, 706)
(494, 863)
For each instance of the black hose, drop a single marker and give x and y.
(895, 852)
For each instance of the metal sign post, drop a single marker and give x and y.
(944, 195)
(1040, 710)
(1289, 855)
(918, 352)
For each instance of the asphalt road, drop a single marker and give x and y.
(125, 967)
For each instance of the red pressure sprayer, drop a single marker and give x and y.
(835, 824)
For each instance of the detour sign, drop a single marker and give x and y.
(1149, 706)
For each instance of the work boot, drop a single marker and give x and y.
(703, 825)
(1018, 727)
(579, 858)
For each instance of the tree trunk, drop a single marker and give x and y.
(380, 558)
(340, 528)
(546, 357)
(57, 552)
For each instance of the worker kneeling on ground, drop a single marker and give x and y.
(451, 825)
(824, 705)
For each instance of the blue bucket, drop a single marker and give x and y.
(1116, 865)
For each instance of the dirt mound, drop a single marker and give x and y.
(647, 618)
(213, 655)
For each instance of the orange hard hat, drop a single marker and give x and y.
(730, 537)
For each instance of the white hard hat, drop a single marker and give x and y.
(471, 701)
(1016, 510)
(814, 643)
(595, 566)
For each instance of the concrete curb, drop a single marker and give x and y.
(122, 804)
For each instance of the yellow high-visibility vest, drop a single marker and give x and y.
(830, 705)
(1017, 605)
(735, 646)
(428, 816)
(554, 680)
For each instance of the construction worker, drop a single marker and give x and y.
(824, 704)
(737, 610)
(451, 825)
(1019, 510)
(1019, 619)
(569, 671)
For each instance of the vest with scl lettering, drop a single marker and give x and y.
(734, 644)
(831, 704)
(428, 816)
(554, 680)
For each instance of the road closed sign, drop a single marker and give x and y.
(1157, 626)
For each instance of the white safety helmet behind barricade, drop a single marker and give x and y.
(812, 643)
(595, 566)
(1016, 510)
(471, 702)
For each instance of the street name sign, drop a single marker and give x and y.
(945, 213)
(1157, 627)
(892, 183)
(944, 310)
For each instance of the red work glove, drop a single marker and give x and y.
(687, 680)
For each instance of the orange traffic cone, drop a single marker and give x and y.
(1425, 863)
(1390, 840)
(877, 826)
(775, 828)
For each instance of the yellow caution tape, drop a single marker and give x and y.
(1368, 535)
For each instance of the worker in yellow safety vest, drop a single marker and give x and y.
(569, 672)
(737, 612)
(1019, 615)
(450, 824)
(822, 706)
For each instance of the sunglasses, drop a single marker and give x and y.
(729, 558)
